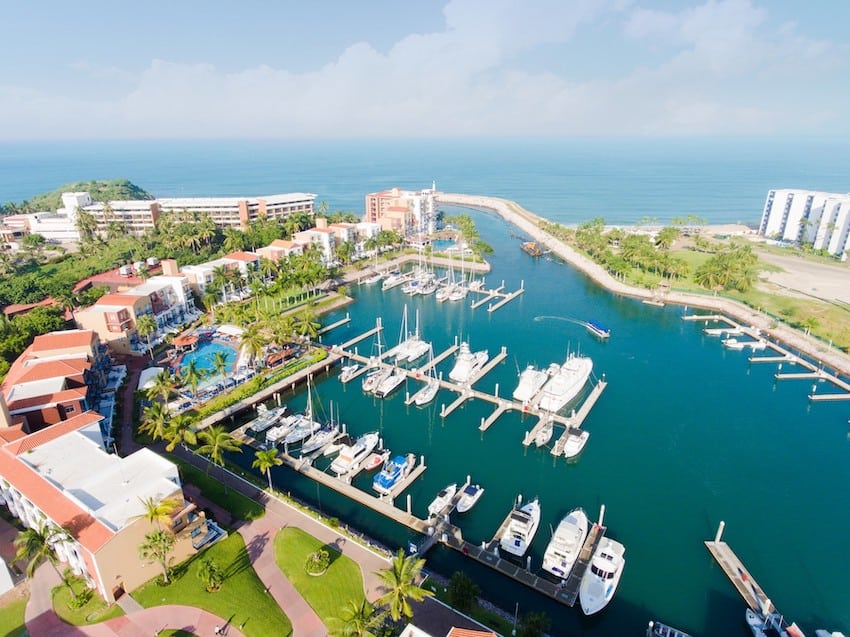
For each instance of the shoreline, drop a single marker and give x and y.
(528, 222)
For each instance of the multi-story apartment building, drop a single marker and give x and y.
(63, 477)
(405, 211)
(323, 238)
(805, 216)
(59, 376)
(280, 249)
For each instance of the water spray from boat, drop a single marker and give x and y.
(594, 327)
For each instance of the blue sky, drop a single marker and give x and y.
(541, 68)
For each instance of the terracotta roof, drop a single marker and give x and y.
(12, 433)
(88, 531)
(282, 243)
(39, 370)
(61, 340)
(118, 299)
(53, 432)
(242, 256)
(465, 632)
(23, 308)
(341, 225)
(75, 393)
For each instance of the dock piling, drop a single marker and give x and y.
(408, 504)
(601, 514)
(720, 528)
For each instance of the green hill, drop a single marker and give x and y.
(112, 190)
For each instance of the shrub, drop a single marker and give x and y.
(318, 562)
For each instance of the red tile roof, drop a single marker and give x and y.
(242, 256)
(88, 531)
(74, 394)
(465, 632)
(118, 299)
(23, 308)
(39, 370)
(61, 340)
(282, 243)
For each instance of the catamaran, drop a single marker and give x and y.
(566, 383)
(467, 363)
(350, 456)
(520, 531)
(531, 380)
(566, 543)
(599, 582)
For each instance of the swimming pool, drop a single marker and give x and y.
(203, 356)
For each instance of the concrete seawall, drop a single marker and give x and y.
(528, 222)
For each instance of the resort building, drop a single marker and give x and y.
(405, 211)
(168, 299)
(322, 237)
(63, 477)
(238, 212)
(59, 376)
(201, 275)
(821, 219)
(280, 249)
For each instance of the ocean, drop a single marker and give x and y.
(722, 181)
(687, 433)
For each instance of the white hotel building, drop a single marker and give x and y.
(807, 216)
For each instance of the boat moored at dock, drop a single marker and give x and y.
(320, 439)
(350, 457)
(531, 380)
(600, 581)
(521, 529)
(265, 418)
(444, 497)
(576, 441)
(393, 279)
(469, 496)
(566, 383)
(566, 544)
(393, 471)
(467, 363)
(657, 629)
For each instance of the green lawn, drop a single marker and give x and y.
(242, 597)
(12, 618)
(237, 504)
(326, 593)
(95, 611)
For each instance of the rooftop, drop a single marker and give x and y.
(221, 202)
(62, 340)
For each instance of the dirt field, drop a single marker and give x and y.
(807, 278)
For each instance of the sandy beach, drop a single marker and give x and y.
(528, 222)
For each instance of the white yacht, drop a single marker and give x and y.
(428, 286)
(467, 363)
(427, 393)
(458, 293)
(304, 428)
(444, 292)
(442, 500)
(319, 439)
(544, 434)
(348, 371)
(576, 440)
(375, 378)
(393, 279)
(600, 580)
(531, 380)
(278, 433)
(389, 384)
(265, 418)
(521, 529)
(566, 544)
(350, 456)
(374, 278)
(469, 496)
(566, 383)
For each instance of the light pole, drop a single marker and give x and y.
(516, 612)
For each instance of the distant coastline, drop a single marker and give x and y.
(528, 222)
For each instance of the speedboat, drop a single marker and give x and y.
(278, 433)
(566, 383)
(733, 343)
(336, 446)
(544, 434)
(469, 496)
(265, 418)
(599, 582)
(319, 439)
(576, 440)
(374, 278)
(348, 371)
(350, 456)
(390, 383)
(393, 472)
(521, 529)
(376, 460)
(427, 393)
(467, 363)
(657, 629)
(566, 544)
(771, 625)
(531, 380)
(394, 278)
(597, 329)
(375, 378)
(442, 500)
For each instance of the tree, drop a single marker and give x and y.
(192, 375)
(253, 341)
(215, 442)
(219, 364)
(154, 421)
(34, 243)
(400, 581)
(157, 547)
(534, 625)
(306, 324)
(463, 591)
(157, 511)
(163, 385)
(179, 431)
(211, 574)
(356, 619)
(146, 327)
(265, 460)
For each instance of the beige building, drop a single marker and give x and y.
(62, 476)
(407, 212)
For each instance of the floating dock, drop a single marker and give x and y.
(737, 573)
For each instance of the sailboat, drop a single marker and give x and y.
(427, 393)
(416, 347)
(306, 425)
(460, 289)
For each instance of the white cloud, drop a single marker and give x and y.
(718, 68)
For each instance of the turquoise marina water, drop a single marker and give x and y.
(686, 434)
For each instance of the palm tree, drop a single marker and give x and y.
(265, 460)
(253, 341)
(192, 375)
(179, 431)
(215, 442)
(356, 619)
(306, 325)
(35, 546)
(154, 421)
(163, 385)
(157, 511)
(400, 582)
(145, 327)
(219, 364)
(157, 546)
(234, 240)
(211, 574)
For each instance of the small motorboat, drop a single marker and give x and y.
(427, 393)
(544, 434)
(348, 372)
(600, 580)
(393, 472)
(657, 629)
(521, 529)
(566, 544)
(469, 496)
(442, 500)
(733, 343)
(576, 441)
(376, 460)
(597, 329)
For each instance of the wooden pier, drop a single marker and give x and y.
(332, 326)
(496, 293)
(737, 573)
(577, 418)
